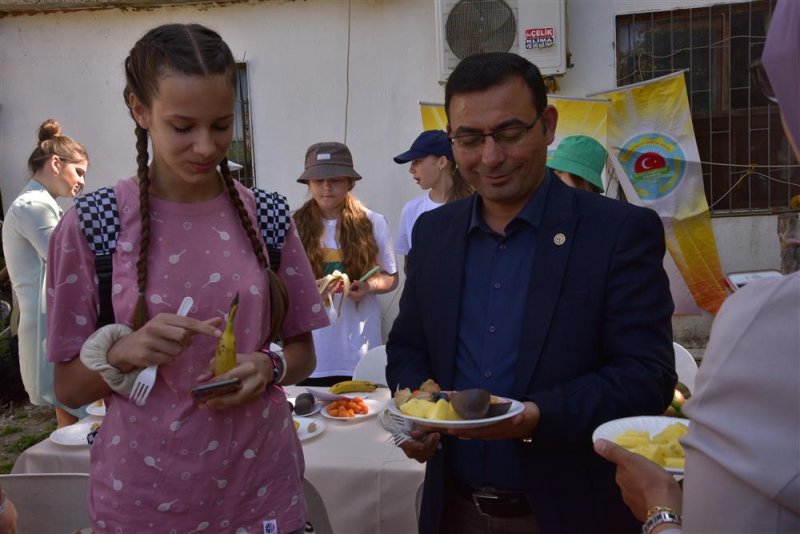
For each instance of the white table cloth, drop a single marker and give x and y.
(368, 484)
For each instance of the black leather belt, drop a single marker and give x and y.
(497, 503)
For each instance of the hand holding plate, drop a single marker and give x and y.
(520, 426)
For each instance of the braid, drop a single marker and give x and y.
(143, 173)
(244, 218)
(278, 294)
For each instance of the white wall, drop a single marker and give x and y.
(303, 90)
(69, 66)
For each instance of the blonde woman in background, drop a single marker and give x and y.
(58, 167)
(340, 233)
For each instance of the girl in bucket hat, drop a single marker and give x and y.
(578, 161)
(340, 234)
(434, 170)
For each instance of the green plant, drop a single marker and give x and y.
(28, 440)
(8, 430)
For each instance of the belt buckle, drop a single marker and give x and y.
(486, 494)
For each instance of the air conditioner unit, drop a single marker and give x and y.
(534, 29)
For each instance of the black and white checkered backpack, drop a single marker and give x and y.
(99, 219)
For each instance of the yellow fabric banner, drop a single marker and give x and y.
(651, 134)
(579, 116)
(433, 116)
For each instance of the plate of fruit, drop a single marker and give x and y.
(307, 428)
(470, 408)
(657, 438)
(354, 409)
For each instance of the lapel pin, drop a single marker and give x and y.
(559, 239)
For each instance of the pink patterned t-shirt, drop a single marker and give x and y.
(169, 466)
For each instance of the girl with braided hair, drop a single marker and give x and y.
(232, 463)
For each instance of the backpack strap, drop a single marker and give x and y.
(273, 217)
(99, 220)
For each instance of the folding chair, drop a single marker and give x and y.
(372, 366)
(317, 513)
(685, 366)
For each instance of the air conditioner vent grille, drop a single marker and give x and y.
(475, 26)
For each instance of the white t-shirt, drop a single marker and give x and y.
(358, 328)
(411, 211)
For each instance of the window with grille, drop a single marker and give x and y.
(240, 154)
(748, 165)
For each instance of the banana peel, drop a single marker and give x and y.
(225, 355)
(327, 287)
(352, 386)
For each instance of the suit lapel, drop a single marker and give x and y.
(553, 246)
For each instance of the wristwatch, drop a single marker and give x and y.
(658, 515)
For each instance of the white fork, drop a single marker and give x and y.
(147, 378)
(396, 425)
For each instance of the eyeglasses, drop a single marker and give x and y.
(759, 74)
(504, 137)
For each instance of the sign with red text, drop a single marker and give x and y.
(536, 38)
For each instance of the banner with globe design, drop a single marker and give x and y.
(651, 136)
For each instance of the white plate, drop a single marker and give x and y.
(375, 407)
(328, 396)
(316, 409)
(644, 423)
(97, 408)
(303, 433)
(73, 435)
(516, 407)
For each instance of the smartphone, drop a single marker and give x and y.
(206, 390)
(740, 279)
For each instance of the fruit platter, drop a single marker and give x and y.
(654, 437)
(471, 408)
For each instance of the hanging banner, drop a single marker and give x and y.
(681, 296)
(651, 134)
(579, 116)
(433, 116)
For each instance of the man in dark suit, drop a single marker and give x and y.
(535, 291)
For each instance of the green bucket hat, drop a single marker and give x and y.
(582, 156)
